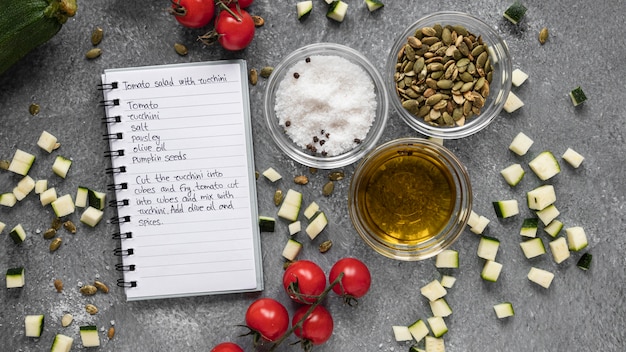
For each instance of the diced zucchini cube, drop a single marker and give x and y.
(434, 344)
(96, 199)
(436, 140)
(63, 206)
(433, 290)
(520, 144)
(62, 343)
(15, 278)
(515, 12)
(292, 249)
(491, 271)
(553, 228)
(91, 216)
(472, 220)
(311, 210)
(24, 187)
(529, 227)
(47, 141)
(61, 166)
(548, 214)
(290, 207)
(512, 103)
(89, 336)
(540, 197)
(585, 261)
(533, 247)
(513, 174)
(2, 226)
(82, 194)
(541, 277)
(559, 249)
(272, 175)
(8, 199)
(578, 96)
(48, 196)
(480, 226)
(33, 325)
(304, 8)
(447, 281)
(373, 5)
(576, 238)
(267, 223)
(437, 326)
(506, 208)
(21, 162)
(488, 248)
(518, 77)
(545, 165)
(295, 227)
(337, 10)
(448, 258)
(440, 307)
(573, 158)
(419, 330)
(18, 235)
(401, 333)
(504, 310)
(41, 186)
(316, 226)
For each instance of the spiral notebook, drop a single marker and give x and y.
(183, 170)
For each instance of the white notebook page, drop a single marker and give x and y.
(189, 175)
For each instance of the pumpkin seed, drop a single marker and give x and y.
(93, 53)
(328, 188)
(266, 71)
(414, 42)
(543, 35)
(33, 109)
(278, 197)
(58, 285)
(180, 49)
(4, 164)
(258, 21)
(313, 170)
(111, 333)
(101, 286)
(253, 76)
(91, 309)
(325, 246)
(88, 290)
(69, 226)
(429, 31)
(49, 233)
(66, 320)
(55, 244)
(96, 36)
(301, 180)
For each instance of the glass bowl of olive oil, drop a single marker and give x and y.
(410, 199)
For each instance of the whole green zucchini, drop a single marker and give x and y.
(26, 24)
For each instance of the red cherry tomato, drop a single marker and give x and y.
(316, 328)
(193, 13)
(356, 279)
(234, 33)
(227, 347)
(303, 281)
(267, 317)
(242, 3)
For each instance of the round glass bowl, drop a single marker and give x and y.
(410, 199)
(499, 87)
(310, 157)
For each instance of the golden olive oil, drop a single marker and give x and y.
(408, 197)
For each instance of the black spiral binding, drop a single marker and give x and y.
(122, 267)
(114, 203)
(117, 186)
(111, 102)
(120, 219)
(122, 235)
(115, 170)
(122, 283)
(119, 252)
(111, 136)
(107, 86)
(112, 153)
(112, 119)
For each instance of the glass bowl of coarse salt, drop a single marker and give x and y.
(326, 105)
(448, 75)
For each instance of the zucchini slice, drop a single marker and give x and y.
(513, 174)
(63, 206)
(316, 226)
(89, 336)
(545, 165)
(18, 235)
(96, 199)
(290, 207)
(267, 223)
(504, 310)
(61, 343)
(15, 278)
(515, 12)
(559, 249)
(540, 277)
(440, 307)
(433, 290)
(311, 210)
(518, 77)
(419, 330)
(480, 225)
(491, 271)
(541, 197)
(548, 214)
(295, 227)
(533, 247)
(337, 10)
(529, 227)
(506, 208)
(33, 325)
(520, 144)
(82, 194)
(512, 103)
(573, 158)
(292, 249)
(553, 228)
(401, 333)
(304, 9)
(91, 216)
(48, 196)
(21, 162)
(434, 344)
(61, 166)
(272, 175)
(41, 186)
(447, 281)
(437, 326)
(373, 5)
(576, 238)
(577, 96)
(448, 258)
(47, 141)
(8, 199)
(585, 261)
(488, 248)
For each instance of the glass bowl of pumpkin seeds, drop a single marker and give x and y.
(449, 75)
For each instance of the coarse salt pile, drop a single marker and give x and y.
(326, 104)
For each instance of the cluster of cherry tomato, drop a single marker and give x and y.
(305, 282)
(234, 26)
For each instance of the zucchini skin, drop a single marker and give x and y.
(26, 24)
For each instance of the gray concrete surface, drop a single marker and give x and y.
(582, 311)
